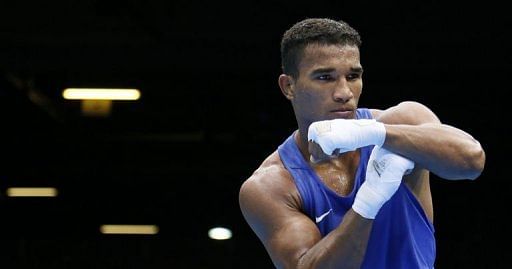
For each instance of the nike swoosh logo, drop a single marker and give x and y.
(318, 219)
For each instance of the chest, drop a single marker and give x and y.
(339, 181)
(338, 176)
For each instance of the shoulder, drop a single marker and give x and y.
(270, 180)
(407, 112)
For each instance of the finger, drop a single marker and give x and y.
(317, 154)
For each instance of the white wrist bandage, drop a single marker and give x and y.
(346, 135)
(383, 177)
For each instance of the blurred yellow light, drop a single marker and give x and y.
(31, 192)
(96, 108)
(101, 94)
(128, 229)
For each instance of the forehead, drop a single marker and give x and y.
(329, 56)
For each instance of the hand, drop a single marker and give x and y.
(383, 177)
(341, 135)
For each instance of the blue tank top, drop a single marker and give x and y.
(402, 237)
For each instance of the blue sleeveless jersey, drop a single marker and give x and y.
(402, 237)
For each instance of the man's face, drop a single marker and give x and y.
(329, 83)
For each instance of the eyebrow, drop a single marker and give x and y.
(328, 70)
(357, 69)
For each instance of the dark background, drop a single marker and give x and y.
(210, 112)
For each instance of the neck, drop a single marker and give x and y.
(301, 137)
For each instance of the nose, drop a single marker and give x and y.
(342, 92)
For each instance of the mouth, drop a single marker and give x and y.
(343, 113)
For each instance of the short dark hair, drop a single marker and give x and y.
(313, 31)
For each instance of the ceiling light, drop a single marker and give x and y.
(128, 229)
(219, 233)
(100, 94)
(31, 192)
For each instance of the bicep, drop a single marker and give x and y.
(408, 112)
(285, 232)
(290, 238)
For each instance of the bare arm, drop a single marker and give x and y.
(270, 204)
(415, 132)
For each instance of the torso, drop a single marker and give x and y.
(339, 175)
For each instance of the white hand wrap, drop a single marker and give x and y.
(346, 135)
(383, 177)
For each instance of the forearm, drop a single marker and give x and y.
(344, 247)
(444, 150)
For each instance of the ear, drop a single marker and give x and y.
(286, 85)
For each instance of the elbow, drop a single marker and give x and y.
(475, 162)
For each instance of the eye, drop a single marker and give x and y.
(325, 77)
(353, 76)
